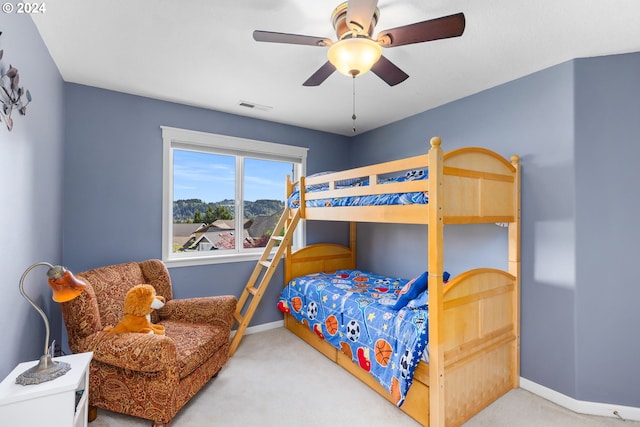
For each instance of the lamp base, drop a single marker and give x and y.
(45, 370)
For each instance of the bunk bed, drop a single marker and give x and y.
(473, 319)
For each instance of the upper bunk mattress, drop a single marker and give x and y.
(359, 313)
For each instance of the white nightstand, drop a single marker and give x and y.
(62, 402)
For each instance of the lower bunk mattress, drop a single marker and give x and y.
(380, 322)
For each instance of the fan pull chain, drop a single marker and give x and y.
(353, 117)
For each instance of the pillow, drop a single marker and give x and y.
(411, 290)
(322, 186)
(416, 174)
(415, 287)
(410, 175)
(422, 300)
(351, 182)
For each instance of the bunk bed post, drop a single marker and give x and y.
(514, 268)
(288, 185)
(436, 269)
(352, 242)
(287, 257)
(303, 202)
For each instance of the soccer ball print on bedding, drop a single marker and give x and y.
(405, 363)
(312, 310)
(353, 330)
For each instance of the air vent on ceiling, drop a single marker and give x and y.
(254, 106)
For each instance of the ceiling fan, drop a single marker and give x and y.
(356, 52)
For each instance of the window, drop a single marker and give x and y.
(222, 196)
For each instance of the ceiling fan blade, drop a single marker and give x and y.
(321, 75)
(269, 36)
(360, 13)
(433, 29)
(389, 72)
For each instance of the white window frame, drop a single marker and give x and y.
(174, 138)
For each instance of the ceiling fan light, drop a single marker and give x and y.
(354, 56)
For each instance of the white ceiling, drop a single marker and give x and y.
(201, 52)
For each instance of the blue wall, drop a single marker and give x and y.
(607, 209)
(113, 192)
(31, 166)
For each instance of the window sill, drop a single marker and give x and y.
(206, 260)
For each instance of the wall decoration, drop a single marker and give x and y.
(12, 95)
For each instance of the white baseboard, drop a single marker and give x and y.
(581, 406)
(261, 328)
(265, 327)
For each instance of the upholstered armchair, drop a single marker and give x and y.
(145, 375)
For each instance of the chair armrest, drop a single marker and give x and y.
(134, 351)
(216, 310)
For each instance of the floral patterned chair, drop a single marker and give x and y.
(147, 376)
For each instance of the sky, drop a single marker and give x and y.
(210, 177)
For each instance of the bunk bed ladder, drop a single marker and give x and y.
(265, 267)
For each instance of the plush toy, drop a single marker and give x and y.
(139, 302)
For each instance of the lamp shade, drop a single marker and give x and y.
(65, 285)
(354, 56)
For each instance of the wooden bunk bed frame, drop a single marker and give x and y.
(474, 328)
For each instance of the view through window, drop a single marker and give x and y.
(226, 196)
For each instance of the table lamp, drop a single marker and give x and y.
(65, 288)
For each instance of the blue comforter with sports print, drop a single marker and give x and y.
(363, 315)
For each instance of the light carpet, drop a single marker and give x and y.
(277, 380)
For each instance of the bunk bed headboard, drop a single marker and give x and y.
(480, 186)
(317, 258)
(477, 158)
